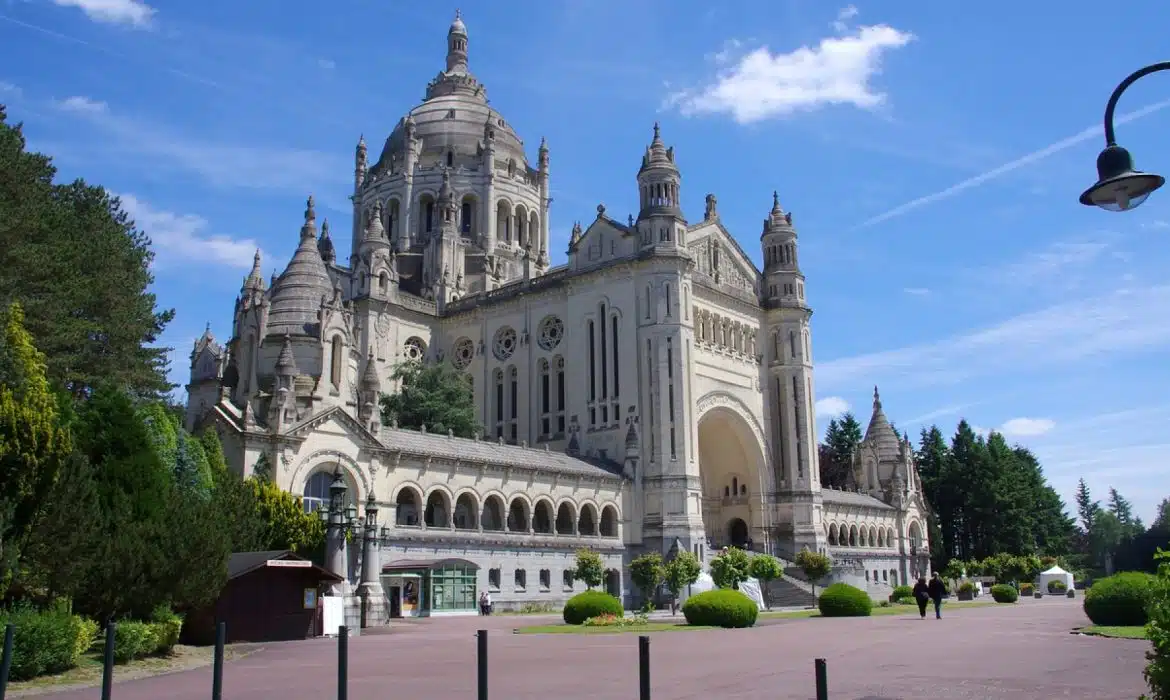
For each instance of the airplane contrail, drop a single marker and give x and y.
(1095, 131)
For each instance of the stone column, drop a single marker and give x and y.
(374, 609)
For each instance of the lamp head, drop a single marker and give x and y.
(1119, 187)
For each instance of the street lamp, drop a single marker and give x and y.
(1119, 187)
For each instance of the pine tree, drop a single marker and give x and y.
(1162, 519)
(841, 440)
(436, 396)
(1087, 508)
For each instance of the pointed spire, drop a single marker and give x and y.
(254, 279)
(543, 144)
(309, 229)
(370, 380)
(776, 203)
(657, 133)
(325, 244)
(361, 145)
(286, 364)
(877, 399)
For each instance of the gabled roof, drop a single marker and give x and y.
(744, 258)
(241, 563)
(852, 498)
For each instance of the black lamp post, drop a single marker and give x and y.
(1119, 187)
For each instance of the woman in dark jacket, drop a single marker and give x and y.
(921, 596)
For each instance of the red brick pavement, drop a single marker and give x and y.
(1023, 651)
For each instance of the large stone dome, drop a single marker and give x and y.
(455, 115)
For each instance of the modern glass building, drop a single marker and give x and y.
(429, 588)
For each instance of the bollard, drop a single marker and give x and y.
(342, 662)
(217, 663)
(108, 661)
(822, 680)
(6, 661)
(643, 668)
(482, 663)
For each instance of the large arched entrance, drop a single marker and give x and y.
(733, 474)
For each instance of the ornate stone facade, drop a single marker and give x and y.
(656, 389)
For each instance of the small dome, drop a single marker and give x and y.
(296, 295)
(457, 26)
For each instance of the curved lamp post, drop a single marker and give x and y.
(1119, 187)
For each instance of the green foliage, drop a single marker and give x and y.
(1057, 587)
(901, 592)
(589, 570)
(730, 568)
(81, 270)
(815, 565)
(1157, 672)
(134, 640)
(966, 587)
(765, 568)
(720, 608)
(437, 396)
(836, 453)
(680, 572)
(1120, 600)
(589, 604)
(213, 453)
(49, 641)
(647, 573)
(284, 522)
(167, 625)
(1026, 589)
(1003, 593)
(843, 600)
(34, 440)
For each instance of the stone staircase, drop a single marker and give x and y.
(789, 592)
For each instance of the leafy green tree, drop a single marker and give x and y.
(1157, 671)
(285, 523)
(765, 568)
(681, 571)
(436, 396)
(730, 568)
(213, 452)
(94, 322)
(1162, 519)
(589, 570)
(836, 454)
(34, 441)
(815, 566)
(647, 574)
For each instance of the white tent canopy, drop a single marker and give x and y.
(1054, 574)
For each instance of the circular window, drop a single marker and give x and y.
(415, 349)
(551, 330)
(505, 343)
(463, 353)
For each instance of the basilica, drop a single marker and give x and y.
(654, 393)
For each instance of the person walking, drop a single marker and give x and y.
(936, 590)
(921, 596)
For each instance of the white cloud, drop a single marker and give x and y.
(7, 88)
(1023, 161)
(83, 105)
(1055, 261)
(1122, 321)
(917, 291)
(764, 85)
(135, 13)
(1026, 427)
(841, 24)
(181, 237)
(832, 406)
(221, 164)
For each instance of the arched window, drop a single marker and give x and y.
(316, 493)
(465, 218)
(450, 159)
(335, 361)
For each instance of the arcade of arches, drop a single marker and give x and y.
(491, 514)
(731, 463)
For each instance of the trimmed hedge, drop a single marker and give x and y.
(843, 600)
(722, 607)
(901, 592)
(1120, 600)
(1003, 593)
(1026, 589)
(589, 604)
(46, 641)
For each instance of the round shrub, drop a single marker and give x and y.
(1003, 593)
(589, 604)
(1026, 589)
(722, 607)
(1056, 587)
(134, 640)
(46, 641)
(901, 592)
(843, 600)
(967, 587)
(1120, 600)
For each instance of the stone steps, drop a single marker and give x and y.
(788, 592)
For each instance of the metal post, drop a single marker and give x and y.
(108, 661)
(6, 662)
(643, 668)
(822, 680)
(342, 662)
(217, 667)
(482, 663)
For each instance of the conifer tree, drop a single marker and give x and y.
(437, 396)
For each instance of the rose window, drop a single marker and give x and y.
(505, 343)
(414, 350)
(551, 331)
(463, 353)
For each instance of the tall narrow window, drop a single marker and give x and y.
(513, 401)
(592, 363)
(616, 364)
(650, 381)
(796, 419)
(545, 396)
(666, 296)
(498, 380)
(604, 356)
(335, 362)
(792, 343)
(450, 159)
(429, 217)
(465, 218)
(560, 365)
(670, 394)
(647, 301)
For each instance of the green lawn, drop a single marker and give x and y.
(681, 626)
(1136, 632)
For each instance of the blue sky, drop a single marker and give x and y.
(931, 155)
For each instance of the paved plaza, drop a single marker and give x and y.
(1022, 651)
